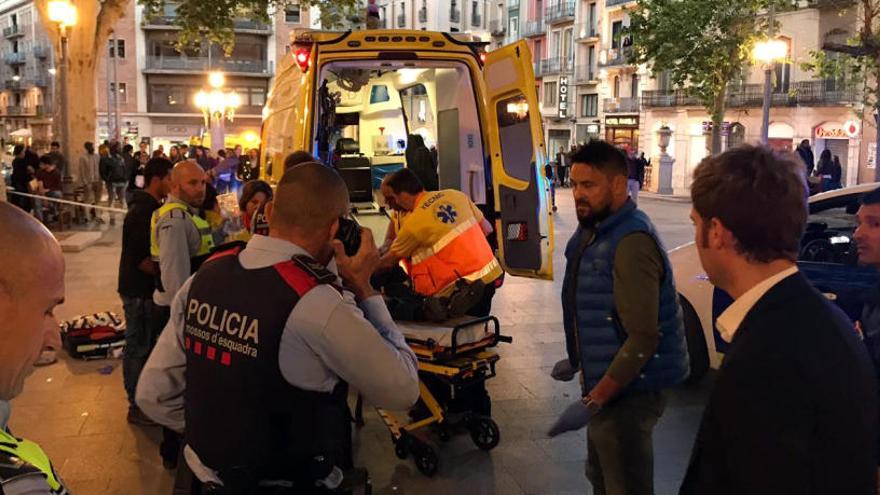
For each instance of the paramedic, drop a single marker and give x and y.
(30, 289)
(179, 241)
(281, 359)
(441, 238)
(623, 325)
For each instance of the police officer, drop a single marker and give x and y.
(30, 289)
(254, 363)
(179, 241)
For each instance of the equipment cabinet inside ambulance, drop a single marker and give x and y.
(357, 99)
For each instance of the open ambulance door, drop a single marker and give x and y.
(516, 142)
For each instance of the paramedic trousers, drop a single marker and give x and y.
(620, 453)
(140, 337)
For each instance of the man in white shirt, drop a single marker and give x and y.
(794, 408)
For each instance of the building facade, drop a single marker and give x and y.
(26, 76)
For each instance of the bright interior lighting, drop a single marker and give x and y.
(770, 51)
(251, 138)
(409, 76)
(216, 79)
(16, 78)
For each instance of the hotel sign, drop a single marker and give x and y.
(563, 97)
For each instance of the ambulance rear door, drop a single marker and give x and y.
(516, 144)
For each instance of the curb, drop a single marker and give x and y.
(664, 197)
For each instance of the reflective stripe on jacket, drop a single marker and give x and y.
(33, 457)
(201, 224)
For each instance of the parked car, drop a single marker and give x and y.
(827, 257)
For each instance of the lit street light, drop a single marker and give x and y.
(217, 105)
(63, 13)
(768, 53)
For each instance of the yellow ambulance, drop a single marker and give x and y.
(367, 102)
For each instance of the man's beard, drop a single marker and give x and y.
(595, 215)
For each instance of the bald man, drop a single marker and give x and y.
(180, 241)
(257, 378)
(30, 289)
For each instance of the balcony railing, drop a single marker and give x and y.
(497, 27)
(586, 32)
(14, 58)
(170, 21)
(617, 56)
(12, 84)
(13, 31)
(614, 3)
(476, 20)
(423, 14)
(454, 15)
(585, 74)
(41, 51)
(534, 28)
(203, 64)
(40, 81)
(513, 4)
(555, 65)
(621, 105)
(559, 12)
(401, 21)
(815, 93)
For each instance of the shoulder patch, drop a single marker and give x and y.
(314, 269)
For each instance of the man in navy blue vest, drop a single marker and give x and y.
(623, 325)
(794, 405)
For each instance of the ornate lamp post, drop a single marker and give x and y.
(63, 13)
(768, 52)
(217, 105)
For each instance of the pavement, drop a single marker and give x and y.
(77, 409)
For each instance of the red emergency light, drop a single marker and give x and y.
(302, 56)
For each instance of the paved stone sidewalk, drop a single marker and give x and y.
(78, 413)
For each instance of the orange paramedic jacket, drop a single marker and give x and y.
(441, 241)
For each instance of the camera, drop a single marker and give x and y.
(349, 234)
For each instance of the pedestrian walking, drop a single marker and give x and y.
(137, 274)
(623, 325)
(114, 174)
(561, 168)
(633, 172)
(22, 174)
(806, 155)
(794, 407)
(88, 177)
(134, 170)
(824, 170)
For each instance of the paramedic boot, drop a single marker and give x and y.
(465, 296)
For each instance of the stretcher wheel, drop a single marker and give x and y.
(485, 433)
(426, 459)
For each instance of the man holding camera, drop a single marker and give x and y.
(276, 359)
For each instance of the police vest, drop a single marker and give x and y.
(20, 458)
(243, 419)
(451, 243)
(201, 224)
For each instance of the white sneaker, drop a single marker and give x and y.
(47, 356)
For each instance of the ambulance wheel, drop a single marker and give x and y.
(485, 433)
(400, 449)
(426, 460)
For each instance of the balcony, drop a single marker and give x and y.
(12, 84)
(40, 80)
(42, 51)
(586, 33)
(166, 21)
(559, 12)
(616, 3)
(423, 14)
(454, 15)
(250, 25)
(13, 31)
(534, 28)
(584, 74)
(617, 57)
(513, 4)
(401, 21)
(621, 105)
(476, 20)
(14, 58)
(552, 66)
(498, 28)
(204, 64)
(816, 93)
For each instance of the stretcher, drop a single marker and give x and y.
(455, 359)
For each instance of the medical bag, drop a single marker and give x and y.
(93, 336)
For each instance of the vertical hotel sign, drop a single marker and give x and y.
(563, 97)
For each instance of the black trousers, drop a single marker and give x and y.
(406, 305)
(170, 447)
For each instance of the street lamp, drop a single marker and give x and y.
(217, 105)
(768, 52)
(63, 13)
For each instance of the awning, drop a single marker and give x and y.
(21, 133)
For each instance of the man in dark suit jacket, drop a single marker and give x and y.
(794, 408)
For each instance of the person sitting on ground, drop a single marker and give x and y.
(440, 237)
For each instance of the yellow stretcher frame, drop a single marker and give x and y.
(459, 365)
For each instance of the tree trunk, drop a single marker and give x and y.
(876, 143)
(717, 120)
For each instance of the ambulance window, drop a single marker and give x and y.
(515, 133)
(379, 94)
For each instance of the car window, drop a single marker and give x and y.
(829, 232)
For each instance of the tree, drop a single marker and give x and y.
(853, 61)
(198, 19)
(703, 45)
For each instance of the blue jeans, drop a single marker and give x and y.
(140, 337)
